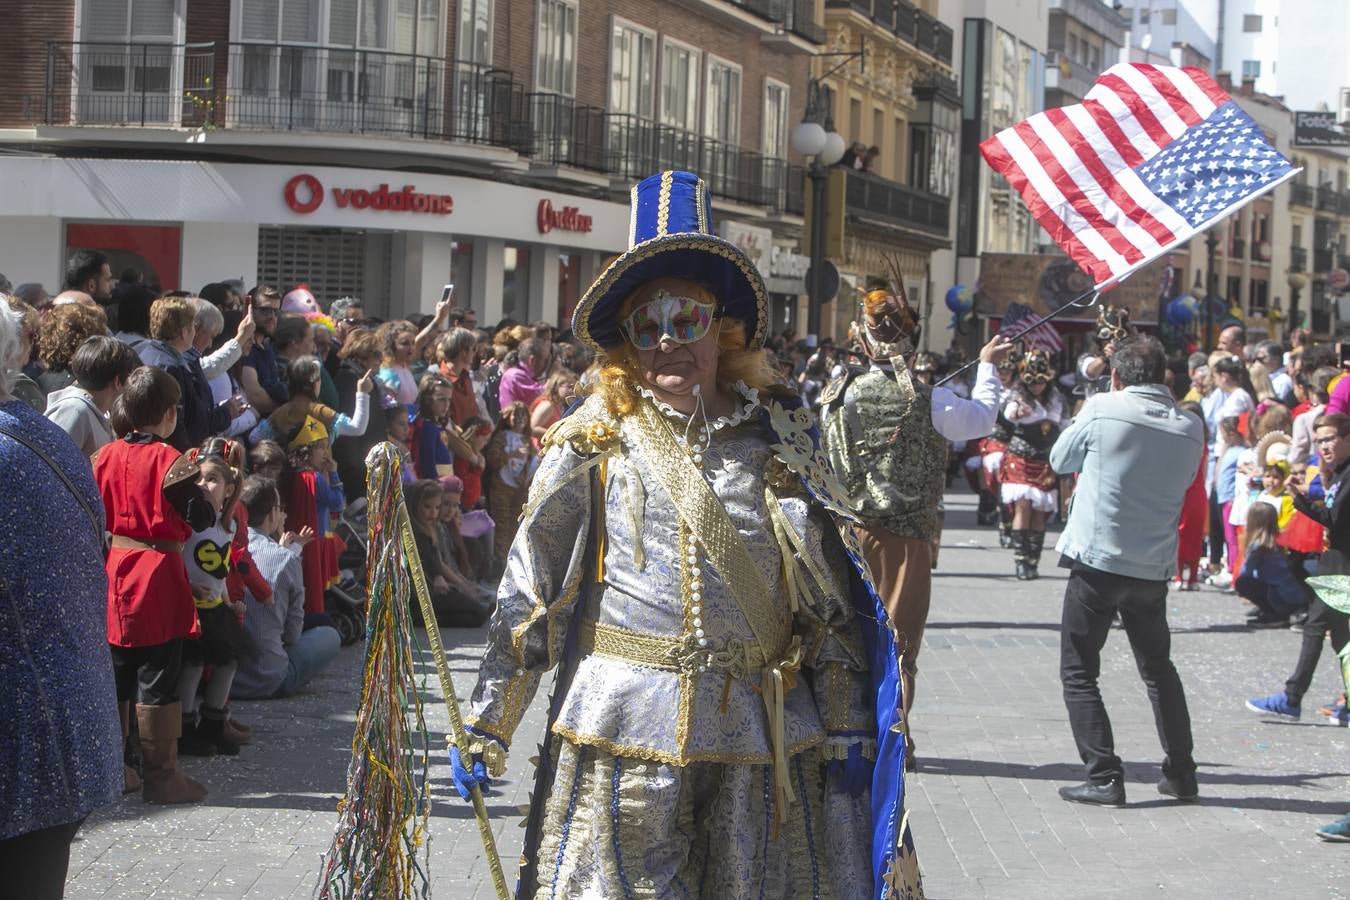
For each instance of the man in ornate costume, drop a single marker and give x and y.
(886, 433)
(726, 697)
(1094, 365)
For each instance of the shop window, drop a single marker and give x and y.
(516, 282)
(632, 69)
(154, 249)
(556, 47)
(679, 85)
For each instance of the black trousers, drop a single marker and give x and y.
(1091, 601)
(148, 675)
(35, 864)
(1216, 543)
(1322, 619)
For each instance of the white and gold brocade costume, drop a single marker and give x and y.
(690, 754)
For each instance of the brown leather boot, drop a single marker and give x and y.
(131, 780)
(237, 732)
(163, 783)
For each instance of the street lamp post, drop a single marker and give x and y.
(815, 137)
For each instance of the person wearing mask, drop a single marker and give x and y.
(89, 271)
(1331, 434)
(1120, 546)
(60, 749)
(260, 375)
(101, 367)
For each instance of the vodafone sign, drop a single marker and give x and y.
(304, 194)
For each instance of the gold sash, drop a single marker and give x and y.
(699, 508)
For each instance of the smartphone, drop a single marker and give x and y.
(448, 292)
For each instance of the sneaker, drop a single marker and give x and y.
(1110, 794)
(1336, 832)
(1275, 705)
(1221, 579)
(1268, 620)
(1335, 714)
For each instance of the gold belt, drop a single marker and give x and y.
(737, 658)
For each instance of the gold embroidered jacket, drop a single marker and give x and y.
(672, 669)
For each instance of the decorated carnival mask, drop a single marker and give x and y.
(888, 326)
(1036, 367)
(666, 315)
(1113, 324)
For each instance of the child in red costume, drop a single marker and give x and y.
(152, 504)
(312, 493)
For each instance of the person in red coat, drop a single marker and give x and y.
(312, 494)
(151, 504)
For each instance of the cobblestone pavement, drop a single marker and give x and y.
(993, 743)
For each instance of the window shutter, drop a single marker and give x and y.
(258, 20)
(104, 20)
(342, 22)
(152, 19)
(299, 22)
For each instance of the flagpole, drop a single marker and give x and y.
(1076, 301)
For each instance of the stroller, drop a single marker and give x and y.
(345, 602)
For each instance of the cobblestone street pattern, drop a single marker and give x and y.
(993, 742)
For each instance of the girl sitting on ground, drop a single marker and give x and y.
(1266, 580)
(457, 602)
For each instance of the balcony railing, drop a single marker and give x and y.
(900, 204)
(797, 16)
(1301, 194)
(906, 21)
(287, 88)
(1345, 203)
(1323, 261)
(1298, 259)
(1327, 199)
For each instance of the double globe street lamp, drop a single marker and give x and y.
(816, 138)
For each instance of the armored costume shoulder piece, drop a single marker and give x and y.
(834, 388)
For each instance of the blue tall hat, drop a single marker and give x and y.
(670, 235)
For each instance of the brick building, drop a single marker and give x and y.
(386, 147)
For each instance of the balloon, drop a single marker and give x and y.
(1182, 310)
(960, 299)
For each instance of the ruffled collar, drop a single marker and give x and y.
(748, 407)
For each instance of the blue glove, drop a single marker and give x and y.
(855, 773)
(464, 779)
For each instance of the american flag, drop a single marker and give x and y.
(1152, 156)
(1042, 337)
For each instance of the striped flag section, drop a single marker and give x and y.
(1042, 337)
(1152, 156)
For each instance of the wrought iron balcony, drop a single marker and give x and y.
(1298, 259)
(289, 88)
(906, 21)
(1327, 199)
(281, 87)
(797, 16)
(1301, 194)
(876, 197)
(1323, 261)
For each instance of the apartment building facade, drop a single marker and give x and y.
(384, 148)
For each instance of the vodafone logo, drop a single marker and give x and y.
(569, 218)
(304, 194)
